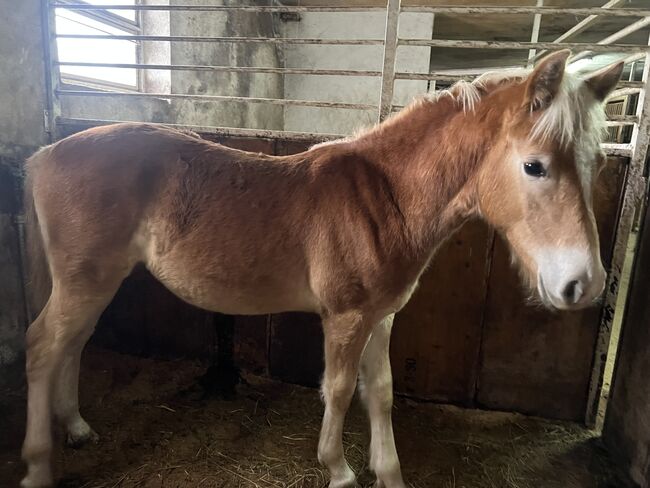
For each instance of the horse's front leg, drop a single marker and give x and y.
(376, 385)
(345, 337)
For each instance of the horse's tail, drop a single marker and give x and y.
(39, 281)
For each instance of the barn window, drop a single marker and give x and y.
(85, 50)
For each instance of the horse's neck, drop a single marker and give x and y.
(430, 155)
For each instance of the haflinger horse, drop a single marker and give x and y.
(344, 229)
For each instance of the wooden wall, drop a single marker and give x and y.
(466, 337)
(627, 424)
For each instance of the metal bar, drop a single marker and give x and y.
(534, 35)
(624, 150)
(633, 196)
(266, 40)
(612, 12)
(223, 131)
(52, 75)
(585, 23)
(216, 8)
(443, 76)
(624, 92)
(610, 149)
(626, 31)
(218, 98)
(630, 84)
(390, 53)
(582, 25)
(623, 119)
(623, 48)
(632, 48)
(611, 119)
(438, 76)
(238, 69)
(633, 57)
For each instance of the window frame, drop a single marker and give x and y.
(116, 22)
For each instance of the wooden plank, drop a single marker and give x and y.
(627, 431)
(436, 337)
(533, 360)
(296, 348)
(251, 349)
(146, 319)
(12, 304)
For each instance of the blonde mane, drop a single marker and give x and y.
(572, 114)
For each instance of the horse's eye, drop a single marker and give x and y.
(534, 168)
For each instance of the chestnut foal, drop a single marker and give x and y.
(344, 229)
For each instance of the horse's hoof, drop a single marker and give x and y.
(37, 477)
(344, 483)
(28, 483)
(381, 484)
(77, 439)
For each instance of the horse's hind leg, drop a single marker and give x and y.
(66, 395)
(54, 341)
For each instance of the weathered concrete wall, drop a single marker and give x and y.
(192, 112)
(627, 424)
(226, 24)
(349, 89)
(22, 100)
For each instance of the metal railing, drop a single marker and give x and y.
(636, 150)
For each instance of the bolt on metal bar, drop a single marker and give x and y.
(623, 48)
(266, 40)
(216, 8)
(237, 69)
(217, 98)
(612, 12)
(222, 131)
(634, 196)
(390, 53)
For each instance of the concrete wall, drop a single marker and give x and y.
(22, 100)
(192, 112)
(362, 25)
(365, 90)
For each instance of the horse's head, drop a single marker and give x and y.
(536, 185)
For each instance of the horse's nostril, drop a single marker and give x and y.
(572, 292)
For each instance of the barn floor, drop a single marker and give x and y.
(158, 430)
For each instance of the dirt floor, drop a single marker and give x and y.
(158, 429)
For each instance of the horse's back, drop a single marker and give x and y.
(215, 225)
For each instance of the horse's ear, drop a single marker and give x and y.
(603, 81)
(545, 80)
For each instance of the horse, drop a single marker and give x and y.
(344, 229)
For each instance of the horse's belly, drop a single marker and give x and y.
(247, 292)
